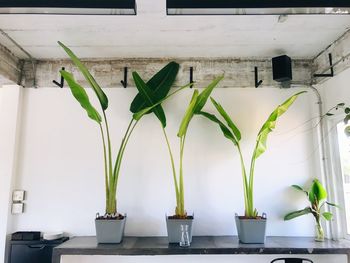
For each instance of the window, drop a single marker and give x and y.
(344, 153)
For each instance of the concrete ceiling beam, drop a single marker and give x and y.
(10, 67)
(238, 73)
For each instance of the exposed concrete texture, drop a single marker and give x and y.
(10, 67)
(109, 73)
(340, 50)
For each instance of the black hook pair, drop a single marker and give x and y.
(123, 82)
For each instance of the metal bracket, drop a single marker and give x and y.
(257, 81)
(125, 81)
(330, 67)
(191, 77)
(61, 84)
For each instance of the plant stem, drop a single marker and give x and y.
(251, 212)
(245, 181)
(173, 168)
(105, 166)
(109, 147)
(126, 140)
(181, 209)
(112, 204)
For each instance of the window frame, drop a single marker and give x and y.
(335, 173)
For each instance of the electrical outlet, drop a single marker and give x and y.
(17, 208)
(18, 195)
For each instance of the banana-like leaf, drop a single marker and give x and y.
(299, 188)
(228, 120)
(204, 95)
(305, 211)
(89, 78)
(149, 97)
(138, 115)
(81, 96)
(270, 124)
(317, 192)
(188, 115)
(227, 133)
(327, 215)
(160, 84)
(196, 105)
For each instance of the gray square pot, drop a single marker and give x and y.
(174, 229)
(110, 230)
(251, 231)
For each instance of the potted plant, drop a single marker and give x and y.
(251, 227)
(316, 195)
(197, 102)
(110, 226)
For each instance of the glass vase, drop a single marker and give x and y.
(185, 237)
(319, 232)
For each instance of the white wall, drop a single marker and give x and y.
(10, 102)
(60, 164)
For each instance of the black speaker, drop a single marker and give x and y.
(282, 68)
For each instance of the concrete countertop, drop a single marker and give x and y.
(200, 245)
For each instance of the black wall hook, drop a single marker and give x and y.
(61, 84)
(125, 81)
(191, 77)
(331, 68)
(257, 81)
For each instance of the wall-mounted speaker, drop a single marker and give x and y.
(282, 68)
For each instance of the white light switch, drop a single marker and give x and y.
(17, 208)
(18, 195)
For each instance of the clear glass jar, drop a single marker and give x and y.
(185, 236)
(319, 232)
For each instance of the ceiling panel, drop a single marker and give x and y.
(153, 34)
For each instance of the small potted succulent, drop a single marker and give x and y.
(197, 102)
(316, 195)
(110, 226)
(251, 227)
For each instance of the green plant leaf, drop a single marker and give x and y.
(160, 84)
(305, 211)
(317, 192)
(81, 96)
(89, 78)
(188, 114)
(299, 188)
(327, 215)
(204, 95)
(227, 133)
(138, 115)
(196, 105)
(228, 120)
(331, 204)
(347, 110)
(149, 97)
(270, 125)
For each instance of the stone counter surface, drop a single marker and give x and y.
(200, 245)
